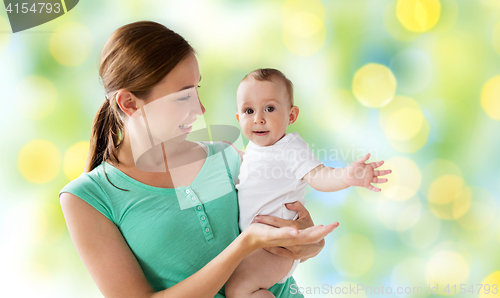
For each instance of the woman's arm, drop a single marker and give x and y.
(117, 273)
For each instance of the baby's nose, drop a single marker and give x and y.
(259, 119)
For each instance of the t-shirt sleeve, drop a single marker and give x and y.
(91, 192)
(299, 158)
(232, 156)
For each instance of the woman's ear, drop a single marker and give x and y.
(294, 113)
(126, 101)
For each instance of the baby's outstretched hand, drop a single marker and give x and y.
(363, 174)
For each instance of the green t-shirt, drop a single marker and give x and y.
(172, 232)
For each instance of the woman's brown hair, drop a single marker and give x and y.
(135, 58)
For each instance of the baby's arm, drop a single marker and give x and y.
(326, 179)
(357, 173)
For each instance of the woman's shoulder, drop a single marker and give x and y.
(89, 187)
(231, 156)
(85, 180)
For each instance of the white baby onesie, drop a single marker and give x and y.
(271, 176)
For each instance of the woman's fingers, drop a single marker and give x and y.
(299, 208)
(316, 233)
(381, 173)
(275, 221)
(281, 251)
(267, 236)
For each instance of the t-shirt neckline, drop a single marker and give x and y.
(127, 178)
(285, 139)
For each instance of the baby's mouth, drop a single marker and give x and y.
(261, 132)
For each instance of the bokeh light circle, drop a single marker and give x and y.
(340, 289)
(418, 15)
(445, 189)
(496, 38)
(436, 169)
(304, 33)
(396, 128)
(481, 210)
(423, 233)
(39, 161)
(491, 4)
(4, 38)
(352, 255)
(490, 98)
(71, 44)
(399, 216)
(394, 27)
(374, 85)
(413, 69)
(334, 110)
(446, 268)
(410, 272)
(492, 279)
(75, 158)
(36, 97)
(403, 182)
(449, 197)
(404, 124)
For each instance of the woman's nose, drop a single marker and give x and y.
(198, 107)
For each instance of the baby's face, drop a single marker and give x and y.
(263, 111)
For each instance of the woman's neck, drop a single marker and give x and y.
(168, 150)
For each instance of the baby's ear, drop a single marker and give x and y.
(238, 117)
(294, 113)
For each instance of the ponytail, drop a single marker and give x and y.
(105, 137)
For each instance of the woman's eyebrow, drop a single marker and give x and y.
(187, 87)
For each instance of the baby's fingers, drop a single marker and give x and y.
(373, 188)
(376, 164)
(379, 180)
(364, 158)
(381, 173)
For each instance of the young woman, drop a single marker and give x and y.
(171, 232)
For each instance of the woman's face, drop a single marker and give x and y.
(173, 104)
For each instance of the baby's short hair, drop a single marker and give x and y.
(268, 74)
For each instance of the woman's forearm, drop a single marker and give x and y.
(210, 279)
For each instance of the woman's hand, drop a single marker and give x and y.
(303, 222)
(259, 235)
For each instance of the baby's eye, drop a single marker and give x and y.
(185, 98)
(269, 109)
(248, 111)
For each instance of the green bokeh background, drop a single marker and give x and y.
(443, 69)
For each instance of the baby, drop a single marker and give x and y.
(275, 170)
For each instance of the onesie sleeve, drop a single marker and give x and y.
(299, 158)
(91, 192)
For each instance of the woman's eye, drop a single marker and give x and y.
(269, 109)
(248, 111)
(185, 98)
